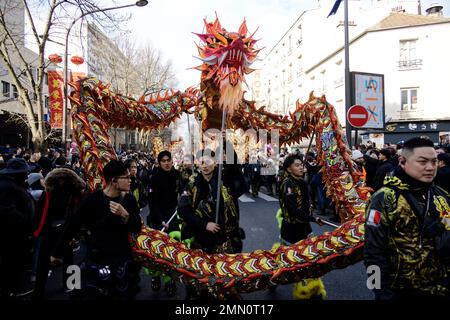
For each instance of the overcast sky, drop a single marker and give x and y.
(168, 25)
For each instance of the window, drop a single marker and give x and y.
(408, 55)
(15, 93)
(6, 89)
(408, 50)
(409, 99)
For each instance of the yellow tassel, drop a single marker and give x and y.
(309, 289)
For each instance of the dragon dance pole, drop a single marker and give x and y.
(310, 142)
(320, 221)
(219, 177)
(190, 137)
(168, 222)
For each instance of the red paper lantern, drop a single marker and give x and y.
(55, 58)
(77, 60)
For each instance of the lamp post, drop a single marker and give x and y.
(348, 79)
(140, 3)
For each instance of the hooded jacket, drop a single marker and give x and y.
(63, 190)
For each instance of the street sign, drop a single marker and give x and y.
(357, 116)
(368, 91)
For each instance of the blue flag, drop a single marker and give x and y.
(335, 8)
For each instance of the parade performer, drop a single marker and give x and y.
(197, 207)
(296, 217)
(164, 188)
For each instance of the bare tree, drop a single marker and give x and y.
(153, 73)
(143, 71)
(27, 69)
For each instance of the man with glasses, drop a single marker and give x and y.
(407, 229)
(109, 215)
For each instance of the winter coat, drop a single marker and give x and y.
(405, 240)
(63, 190)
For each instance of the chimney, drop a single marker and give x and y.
(435, 9)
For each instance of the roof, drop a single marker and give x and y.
(395, 20)
(402, 20)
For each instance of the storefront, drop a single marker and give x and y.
(437, 131)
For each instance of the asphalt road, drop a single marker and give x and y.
(259, 223)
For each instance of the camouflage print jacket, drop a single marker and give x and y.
(294, 200)
(295, 210)
(408, 237)
(197, 207)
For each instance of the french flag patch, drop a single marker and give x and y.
(374, 218)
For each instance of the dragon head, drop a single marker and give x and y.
(226, 57)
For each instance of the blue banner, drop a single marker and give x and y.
(335, 8)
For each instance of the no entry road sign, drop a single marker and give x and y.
(357, 116)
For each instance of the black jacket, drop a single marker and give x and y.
(295, 209)
(64, 189)
(443, 178)
(164, 188)
(383, 169)
(16, 211)
(407, 242)
(197, 207)
(108, 233)
(370, 165)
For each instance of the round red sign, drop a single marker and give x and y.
(357, 116)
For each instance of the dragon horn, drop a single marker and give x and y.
(250, 38)
(243, 29)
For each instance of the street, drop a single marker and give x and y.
(259, 223)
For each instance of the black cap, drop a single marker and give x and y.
(16, 165)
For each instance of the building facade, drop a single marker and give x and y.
(388, 38)
(12, 131)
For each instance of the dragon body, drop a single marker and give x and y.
(226, 59)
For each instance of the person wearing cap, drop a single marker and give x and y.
(443, 173)
(16, 212)
(35, 183)
(407, 230)
(358, 158)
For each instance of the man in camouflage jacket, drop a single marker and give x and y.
(408, 229)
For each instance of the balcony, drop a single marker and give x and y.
(410, 114)
(415, 64)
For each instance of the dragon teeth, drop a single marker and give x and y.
(223, 57)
